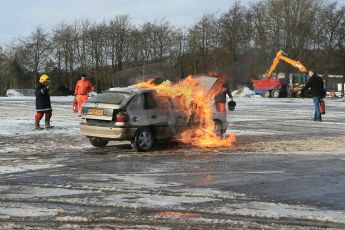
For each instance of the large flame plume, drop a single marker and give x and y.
(195, 101)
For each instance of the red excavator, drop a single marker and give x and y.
(270, 86)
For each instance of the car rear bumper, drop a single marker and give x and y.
(115, 133)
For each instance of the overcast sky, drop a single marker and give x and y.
(20, 17)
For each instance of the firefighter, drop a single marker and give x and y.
(83, 87)
(220, 98)
(43, 105)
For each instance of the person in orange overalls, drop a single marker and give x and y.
(82, 88)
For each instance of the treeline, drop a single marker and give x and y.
(240, 42)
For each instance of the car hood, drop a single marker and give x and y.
(210, 83)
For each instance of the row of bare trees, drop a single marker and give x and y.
(239, 42)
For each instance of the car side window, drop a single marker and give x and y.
(138, 102)
(150, 102)
(163, 102)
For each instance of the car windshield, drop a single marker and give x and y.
(110, 98)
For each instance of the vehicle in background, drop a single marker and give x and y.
(269, 86)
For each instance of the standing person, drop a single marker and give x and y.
(43, 105)
(220, 98)
(318, 92)
(83, 87)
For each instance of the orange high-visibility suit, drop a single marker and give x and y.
(81, 91)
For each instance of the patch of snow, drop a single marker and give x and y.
(4, 188)
(278, 210)
(13, 93)
(48, 192)
(72, 219)
(243, 92)
(144, 200)
(212, 193)
(142, 180)
(25, 167)
(20, 93)
(164, 201)
(27, 211)
(70, 226)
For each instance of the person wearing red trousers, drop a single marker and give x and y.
(82, 88)
(220, 98)
(43, 105)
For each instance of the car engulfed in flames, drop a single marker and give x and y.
(149, 112)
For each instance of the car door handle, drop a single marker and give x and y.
(154, 116)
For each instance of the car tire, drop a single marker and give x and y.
(266, 94)
(218, 128)
(143, 140)
(275, 94)
(98, 142)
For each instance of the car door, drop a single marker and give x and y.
(179, 119)
(136, 112)
(159, 115)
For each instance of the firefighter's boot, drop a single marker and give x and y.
(48, 126)
(37, 125)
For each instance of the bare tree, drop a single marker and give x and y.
(5, 81)
(118, 37)
(236, 30)
(34, 51)
(81, 28)
(202, 41)
(340, 35)
(180, 38)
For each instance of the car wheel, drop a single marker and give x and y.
(266, 94)
(218, 128)
(143, 140)
(98, 142)
(275, 93)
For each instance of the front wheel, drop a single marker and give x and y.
(143, 140)
(98, 142)
(266, 94)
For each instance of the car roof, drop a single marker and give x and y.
(129, 89)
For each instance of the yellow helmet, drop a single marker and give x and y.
(44, 78)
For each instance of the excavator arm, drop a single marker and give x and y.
(282, 56)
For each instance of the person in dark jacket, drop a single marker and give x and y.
(220, 98)
(318, 92)
(43, 105)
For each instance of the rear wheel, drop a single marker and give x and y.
(275, 93)
(143, 140)
(266, 94)
(98, 142)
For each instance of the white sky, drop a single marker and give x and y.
(20, 17)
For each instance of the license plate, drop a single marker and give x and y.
(96, 112)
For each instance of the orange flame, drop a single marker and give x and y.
(193, 100)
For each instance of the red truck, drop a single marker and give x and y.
(269, 86)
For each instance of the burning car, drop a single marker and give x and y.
(148, 113)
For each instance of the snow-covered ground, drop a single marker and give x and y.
(286, 171)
